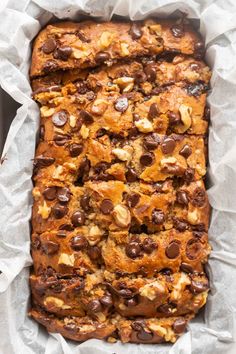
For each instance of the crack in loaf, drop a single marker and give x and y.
(120, 215)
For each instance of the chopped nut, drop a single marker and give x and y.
(78, 54)
(200, 299)
(152, 290)
(193, 217)
(105, 39)
(156, 29)
(200, 170)
(122, 307)
(87, 328)
(121, 215)
(70, 166)
(44, 210)
(99, 107)
(179, 286)
(168, 161)
(46, 111)
(100, 316)
(57, 172)
(144, 125)
(67, 259)
(55, 301)
(122, 154)
(36, 193)
(95, 235)
(124, 49)
(185, 113)
(72, 121)
(157, 328)
(111, 340)
(84, 131)
(125, 83)
(109, 276)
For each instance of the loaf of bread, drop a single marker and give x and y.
(120, 214)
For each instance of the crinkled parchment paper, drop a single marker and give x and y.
(214, 330)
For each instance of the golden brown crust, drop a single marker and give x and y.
(84, 41)
(120, 213)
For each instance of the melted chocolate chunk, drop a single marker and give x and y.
(86, 117)
(94, 306)
(101, 57)
(186, 151)
(106, 206)
(133, 250)
(85, 202)
(140, 77)
(182, 197)
(60, 118)
(199, 197)
(135, 31)
(106, 300)
(153, 111)
(50, 247)
(193, 248)
(49, 46)
(63, 195)
(79, 242)
(131, 175)
(94, 253)
(42, 132)
(50, 193)
(179, 325)
(62, 53)
(145, 336)
(59, 211)
(189, 175)
(172, 250)
(177, 31)
(49, 66)
(187, 268)
(174, 118)
(168, 145)
(198, 287)
(82, 36)
(61, 233)
(75, 149)
(180, 225)
(44, 161)
(150, 71)
(78, 218)
(148, 245)
(147, 159)
(61, 139)
(151, 141)
(132, 199)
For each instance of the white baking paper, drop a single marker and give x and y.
(214, 330)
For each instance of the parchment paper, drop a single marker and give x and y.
(214, 330)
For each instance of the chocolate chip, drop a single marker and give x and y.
(42, 132)
(139, 77)
(158, 217)
(60, 139)
(180, 225)
(132, 199)
(196, 89)
(94, 253)
(84, 168)
(59, 211)
(135, 31)
(66, 227)
(75, 149)
(150, 71)
(49, 46)
(177, 31)
(133, 250)
(198, 197)
(166, 308)
(86, 117)
(172, 250)
(147, 159)
(179, 325)
(199, 50)
(36, 243)
(63, 195)
(94, 306)
(189, 175)
(174, 118)
(133, 132)
(151, 141)
(106, 206)
(79, 242)
(81, 87)
(126, 293)
(207, 113)
(78, 218)
(50, 193)
(44, 161)
(82, 36)
(60, 118)
(186, 151)
(144, 336)
(50, 247)
(168, 145)
(62, 53)
(85, 202)
(131, 302)
(138, 325)
(187, 268)
(61, 233)
(194, 66)
(131, 175)
(148, 245)
(153, 111)
(198, 287)
(100, 57)
(193, 248)
(71, 327)
(121, 104)
(106, 300)
(50, 65)
(182, 197)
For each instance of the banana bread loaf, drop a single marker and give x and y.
(120, 215)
